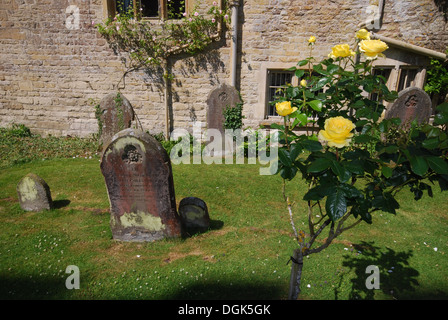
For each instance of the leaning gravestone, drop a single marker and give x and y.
(116, 114)
(194, 214)
(412, 103)
(139, 181)
(34, 193)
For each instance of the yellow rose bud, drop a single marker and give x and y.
(303, 83)
(312, 39)
(363, 34)
(284, 108)
(337, 132)
(341, 50)
(373, 48)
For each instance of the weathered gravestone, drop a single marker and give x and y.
(34, 193)
(194, 214)
(139, 181)
(218, 100)
(221, 97)
(116, 114)
(412, 103)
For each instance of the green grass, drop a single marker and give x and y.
(244, 255)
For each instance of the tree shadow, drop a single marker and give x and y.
(397, 277)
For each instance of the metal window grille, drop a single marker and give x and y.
(276, 80)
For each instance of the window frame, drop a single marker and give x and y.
(406, 69)
(389, 79)
(269, 72)
(110, 9)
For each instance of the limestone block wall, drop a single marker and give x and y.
(51, 76)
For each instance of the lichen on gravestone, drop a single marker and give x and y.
(34, 193)
(138, 176)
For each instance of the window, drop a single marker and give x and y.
(384, 72)
(165, 9)
(406, 78)
(277, 79)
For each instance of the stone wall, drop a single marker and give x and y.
(51, 76)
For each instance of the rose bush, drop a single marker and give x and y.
(353, 160)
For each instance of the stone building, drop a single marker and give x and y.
(54, 65)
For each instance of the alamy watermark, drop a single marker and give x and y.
(73, 280)
(227, 146)
(72, 22)
(373, 281)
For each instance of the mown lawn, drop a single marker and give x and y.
(244, 255)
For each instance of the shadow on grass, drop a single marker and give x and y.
(397, 278)
(214, 225)
(58, 204)
(44, 288)
(238, 291)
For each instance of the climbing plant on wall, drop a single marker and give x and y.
(149, 43)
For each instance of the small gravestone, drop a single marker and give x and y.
(139, 181)
(194, 214)
(34, 193)
(116, 114)
(412, 104)
(221, 97)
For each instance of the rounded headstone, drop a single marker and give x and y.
(412, 103)
(116, 114)
(194, 214)
(139, 181)
(34, 193)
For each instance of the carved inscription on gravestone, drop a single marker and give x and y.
(217, 101)
(412, 103)
(139, 181)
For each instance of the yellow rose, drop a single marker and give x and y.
(303, 83)
(284, 108)
(341, 50)
(337, 132)
(312, 39)
(363, 34)
(372, 48)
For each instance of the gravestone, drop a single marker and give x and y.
(412, 103)
(194, 214)
(138, 175)
(116, 114)
(217, 101)
(34, 193)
